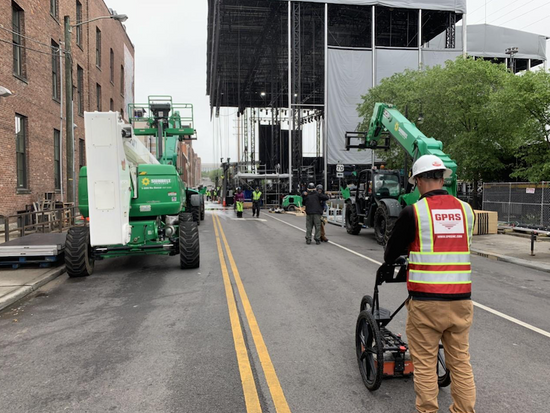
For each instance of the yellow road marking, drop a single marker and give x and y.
(247, 378)
(279, 399)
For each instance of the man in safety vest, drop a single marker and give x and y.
(256, 199)
(436, 233)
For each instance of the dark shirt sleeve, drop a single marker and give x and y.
(324, 197)
(403, 234)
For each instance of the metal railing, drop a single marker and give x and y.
(54, 220)
(336, 212)
(519, 203)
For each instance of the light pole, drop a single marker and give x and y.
(69, 131)
(512, 51)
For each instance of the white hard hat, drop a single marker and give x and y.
(428, 163)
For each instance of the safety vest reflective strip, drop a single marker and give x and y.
(428, 258)
(256, 196)
(439, 268)
(425, 226)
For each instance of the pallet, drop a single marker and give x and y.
(42, 261)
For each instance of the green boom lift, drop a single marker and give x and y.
(134, 200)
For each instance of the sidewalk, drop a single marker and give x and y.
(513, 249)
(16, 284)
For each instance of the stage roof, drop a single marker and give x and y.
(248, 43)
(458, 6)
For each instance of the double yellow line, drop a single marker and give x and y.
(247, 378)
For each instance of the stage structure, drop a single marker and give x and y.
(285, 64)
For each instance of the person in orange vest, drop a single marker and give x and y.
(436, 233)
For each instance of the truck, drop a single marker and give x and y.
(387, 124)
(134, 202)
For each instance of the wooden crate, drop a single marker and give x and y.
(486, 222)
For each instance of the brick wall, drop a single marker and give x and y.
(33, 92)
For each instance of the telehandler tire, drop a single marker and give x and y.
(383, 224)
(196, 214)
(353, 226)
(185, 217)
(79, 261)
(189, 245)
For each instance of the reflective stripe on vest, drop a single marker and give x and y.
(439, 259)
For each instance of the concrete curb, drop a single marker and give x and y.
(34, 285)
(511, 260)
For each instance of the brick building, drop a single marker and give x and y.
(189, 164)
(32, 121)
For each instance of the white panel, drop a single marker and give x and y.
(349, 77)
(392, 61)
(432, 58)
(104, 193)
(108, 179)
(128, 80)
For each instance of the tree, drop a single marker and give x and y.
(460, 106)
(216, 173)
(528, 98)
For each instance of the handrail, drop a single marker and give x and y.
(39, 221)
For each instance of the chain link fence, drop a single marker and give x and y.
(519, 203)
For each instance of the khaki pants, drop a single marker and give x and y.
(428, 322)
(323, 234)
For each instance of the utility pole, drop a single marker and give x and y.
(69, 110)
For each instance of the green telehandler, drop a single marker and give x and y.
(388, 124)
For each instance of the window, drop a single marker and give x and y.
(122, 80)
(98, 97)
(57, 158)
(21, 150)
(111, 105)
(97, 47)
(18, 28)
(54, 9)
(112, 66)
(78, 20)
(56, 95)
(80, 89)
(81, 153)
(122, 113)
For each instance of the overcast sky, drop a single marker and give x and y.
(170, 57)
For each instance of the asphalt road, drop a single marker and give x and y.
(271, 329)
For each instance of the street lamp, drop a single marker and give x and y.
(71, 189)
(5, 92)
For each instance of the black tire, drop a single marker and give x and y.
(185, 217)
(79, 261)
(443, 373)
(369, 350)
(202, 214)
(196, 214)
(383, 224)
(366, 303)
(291, 208)
(353, 226)
(189, 245)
